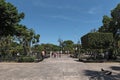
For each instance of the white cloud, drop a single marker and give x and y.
(68, 7)
(95, 10)
(92, 11)
(91, 21)
(38, 3)
(43, 4)
(62, 17)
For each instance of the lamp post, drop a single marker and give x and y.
(79, 46)
(60, 44)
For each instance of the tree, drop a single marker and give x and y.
(108, 35)
(26, 37)
(97, 40)
(50, 47)
(14, 37)
(115, 13)
(68, 45)
(111, 24)
(6, 47)
(106, 21)
(9, 17)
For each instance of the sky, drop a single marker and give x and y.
(64, 19)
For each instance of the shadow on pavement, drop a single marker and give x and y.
(117, 68)
(91, 73)
(76, 60)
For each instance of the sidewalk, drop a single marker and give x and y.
(64, 68)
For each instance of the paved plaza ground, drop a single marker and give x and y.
(64, 68)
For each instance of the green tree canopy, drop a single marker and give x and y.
(97, 40)
(111, 24)
(68, 45)
(106, 21)
(26, 37)
(9, 17)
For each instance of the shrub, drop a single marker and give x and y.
(97, 40)
(26, 59)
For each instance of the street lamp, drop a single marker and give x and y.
(60, 44)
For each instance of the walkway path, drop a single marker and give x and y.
(64, 68)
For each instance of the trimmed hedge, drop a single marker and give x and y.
(97, 40)
(26, 59)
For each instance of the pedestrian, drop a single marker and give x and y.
(43, 54)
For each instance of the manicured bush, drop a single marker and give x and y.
(97, 40)
(26, 59)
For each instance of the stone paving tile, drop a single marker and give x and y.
(71, 78)
(63, 68)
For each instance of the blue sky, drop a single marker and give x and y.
(65, 19)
